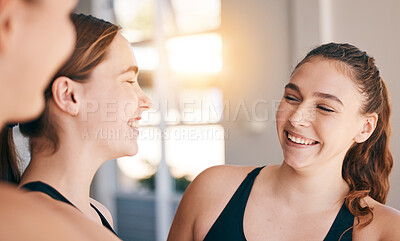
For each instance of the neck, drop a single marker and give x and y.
(70, 170)
(318, 189)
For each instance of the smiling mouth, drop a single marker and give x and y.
(133, 123)
(300, 140)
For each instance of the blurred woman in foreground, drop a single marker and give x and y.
(36, 37)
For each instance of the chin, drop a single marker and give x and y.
(296, 162)
(132, 153)
(131, 150)
(122, 153)
(29, 112)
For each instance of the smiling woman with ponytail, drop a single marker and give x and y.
(367, 165)
(333, 124)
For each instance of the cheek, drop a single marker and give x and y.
(63, 39)
(283, 112)
(335, 130)
(51, 46)
(127, 107)
(59, 37)
(98, 112)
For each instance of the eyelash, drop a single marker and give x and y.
(289, 98)
(325, 109)
(131, 82)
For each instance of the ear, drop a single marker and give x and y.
(367, 129)
(8, 14)
(66, 95)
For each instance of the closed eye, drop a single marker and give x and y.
(131, 82)
(325, 109)
(291, 98)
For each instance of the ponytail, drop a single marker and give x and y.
(9, 159)
(367, 165)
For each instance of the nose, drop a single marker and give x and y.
(302, 116)
(144, 101)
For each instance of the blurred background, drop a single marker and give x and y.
(216, 70)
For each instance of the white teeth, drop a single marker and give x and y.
(132, 124)
(300, 140)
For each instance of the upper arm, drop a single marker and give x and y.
(182, 225)
(106, 213)
(390, 224)
(207, 194)
(384, 225)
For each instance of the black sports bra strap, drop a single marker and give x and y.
(240, 197)
(103, 219)
(47, 189)
(229, 224)
(342, 227)
(243, 192)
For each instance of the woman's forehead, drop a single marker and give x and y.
(324, 76)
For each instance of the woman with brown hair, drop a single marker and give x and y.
(93, 105)
(36, 37)
(333, 126)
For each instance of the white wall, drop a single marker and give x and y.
(84, 6)
(256, 67)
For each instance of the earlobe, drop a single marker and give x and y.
(73, 110)
(368, 128)
(65, 95)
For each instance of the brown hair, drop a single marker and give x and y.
(93, 38)
(367, 165)
(9, 162)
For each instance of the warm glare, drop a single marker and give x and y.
(200, 54)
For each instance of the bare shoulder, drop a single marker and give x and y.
(204, 199)
(388, 221)
(29, 216)
(106, 213)
(222, 177)
(216, 184)
(385, 224)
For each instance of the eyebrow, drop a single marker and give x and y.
(132, 68)
(293, 87)
(316, 94)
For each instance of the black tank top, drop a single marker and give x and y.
(229, 224)
(47, 189)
